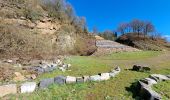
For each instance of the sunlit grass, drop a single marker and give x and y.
(113, 89)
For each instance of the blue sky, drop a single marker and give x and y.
(107, 14)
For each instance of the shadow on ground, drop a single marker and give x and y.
(134, 89)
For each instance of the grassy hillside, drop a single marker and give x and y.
(116, 88)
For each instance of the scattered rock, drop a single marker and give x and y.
(105, 76)
(18, 66)
(95, 78)
(28, 87)
(79, 80)
(69, 65)
(46, 82)
(70, 79)
(18, 77)
(48, 69)
(38, 69)
(9, 61)
(8, 89)
(33, 76)
(60, 80)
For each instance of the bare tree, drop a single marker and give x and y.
(148, 27)
(123, 27)
(137, 26)
(95, 30)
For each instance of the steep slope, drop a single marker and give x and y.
(42, 28)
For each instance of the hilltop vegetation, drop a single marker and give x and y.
(142, 35)
(37, 28)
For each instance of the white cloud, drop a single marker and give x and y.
(167, 37)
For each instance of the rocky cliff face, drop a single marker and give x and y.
(28, 27)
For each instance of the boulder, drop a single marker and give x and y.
(140, 68)
(86, 78)
(70, 79)
(60, 80)
(79, 79)
(159, 77)
(95, 78)
(136, 68)
(105, 76)
(146, 93)
(28, 87)
(149, 81)
(8, 89)
(46, 82)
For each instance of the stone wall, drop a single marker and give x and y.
(29, 87)
(145, 86)
(107, 47)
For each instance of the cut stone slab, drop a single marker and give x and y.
(8, 89)
(46, 82)
(28, 87)
(159, 77)
(60, 80)
(112, 74)
(95, 78)
(115, 72)
(149, 81)
(70, 79)
(147, 93)
(86, 78)
(168, 76)
(105, 76)
(79, 80)
(117, 69)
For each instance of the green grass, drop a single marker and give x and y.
(132, 55)
(114, 89)
(163, 88)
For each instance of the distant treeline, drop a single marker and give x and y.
(140, 27)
